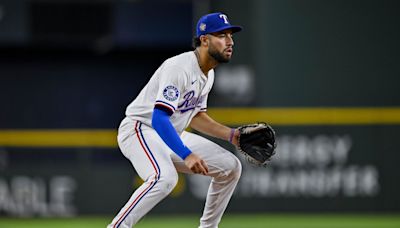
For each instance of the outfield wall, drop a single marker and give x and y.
(325, 168)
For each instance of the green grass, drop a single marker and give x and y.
(229, 221)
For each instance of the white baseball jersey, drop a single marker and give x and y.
(178, 85)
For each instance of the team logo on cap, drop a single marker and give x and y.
(171, 93)
(225, 18)
(202, 27)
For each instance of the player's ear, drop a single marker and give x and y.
(204, 40)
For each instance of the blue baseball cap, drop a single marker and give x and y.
(214, 22)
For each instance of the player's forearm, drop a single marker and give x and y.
(206, 125)
(164, 128)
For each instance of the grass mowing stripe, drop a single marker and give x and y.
(228, 221)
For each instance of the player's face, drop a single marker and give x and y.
(221, 46)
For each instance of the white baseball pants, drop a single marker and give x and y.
(158, 165)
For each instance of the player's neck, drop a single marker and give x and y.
(206, 63)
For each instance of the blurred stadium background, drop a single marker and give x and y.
(324, 73)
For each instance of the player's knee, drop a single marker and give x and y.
(236, 168)
(168, 182)
(233, 168)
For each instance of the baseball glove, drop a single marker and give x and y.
(257, 143)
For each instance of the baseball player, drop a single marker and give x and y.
(153, 136)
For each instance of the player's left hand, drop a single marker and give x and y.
(257, 142)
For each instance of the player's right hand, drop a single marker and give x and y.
(196, 164)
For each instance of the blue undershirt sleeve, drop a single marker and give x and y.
(163, 126)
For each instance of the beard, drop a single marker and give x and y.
(218, 56)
